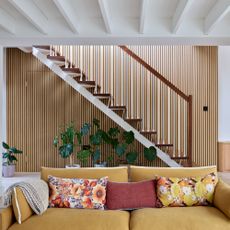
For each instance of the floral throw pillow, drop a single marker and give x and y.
(77, 193)
(181, 192)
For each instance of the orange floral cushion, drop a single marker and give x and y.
(77, 193)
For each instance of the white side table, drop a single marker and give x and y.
(6, 182)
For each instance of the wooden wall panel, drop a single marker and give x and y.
(39, 102)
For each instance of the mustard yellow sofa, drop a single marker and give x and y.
(187, 218)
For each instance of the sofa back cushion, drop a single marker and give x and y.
(131, 195)
(116, 174)
(138, 173)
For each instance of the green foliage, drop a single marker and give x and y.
(150, 153)
(83, 156)
(120, 149)
(69, 139)
(128, 137)
(8, 155)
(131, 157)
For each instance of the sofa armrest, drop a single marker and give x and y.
(6, 218)
(222, 197)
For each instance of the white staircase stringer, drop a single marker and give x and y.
(101, 106)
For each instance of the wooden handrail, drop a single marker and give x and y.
(176, 90)
(155, 72)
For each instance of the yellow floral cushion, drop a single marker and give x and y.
(77, 193)
(181, 192)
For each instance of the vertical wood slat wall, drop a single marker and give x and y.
(39, 102)
(192, 69)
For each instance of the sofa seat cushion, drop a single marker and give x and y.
(186, 218)
(68, 219)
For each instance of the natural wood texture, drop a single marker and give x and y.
(192, 69)
(38, 104)
(223, 156)
(155, 72)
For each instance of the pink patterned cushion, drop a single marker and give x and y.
(133, 195)
(77, 193)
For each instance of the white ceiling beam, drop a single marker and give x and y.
(7, 22)
(144, 7)
(29, 10)
(105, 15)
(217, 13)
(68, 13)
(180, 13)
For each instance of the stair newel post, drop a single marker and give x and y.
(189, 130)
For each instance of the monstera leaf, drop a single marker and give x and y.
(113, 132)
(150, 153)
(85, 129)
(96, 155)
(129, 137)
(120, 149)
(131, 157)
(96, 122)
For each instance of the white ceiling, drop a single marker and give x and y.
(200, 22)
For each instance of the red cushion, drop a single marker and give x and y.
(133, 195)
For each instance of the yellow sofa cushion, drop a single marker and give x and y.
(222, 197)
(83, 219)
(138, 173)
(6, 218)
(186, 191)
(183, 218)
(22, 210)
(116, 174)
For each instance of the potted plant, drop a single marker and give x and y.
(8, 167)
(96, 139)
(70, 139)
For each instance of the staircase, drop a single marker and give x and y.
(92, 91)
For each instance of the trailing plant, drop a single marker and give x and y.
(69, 140)
(9, 154)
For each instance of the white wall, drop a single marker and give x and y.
(224, 93)
(2, 101)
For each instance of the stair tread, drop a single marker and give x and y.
(122, 107)
(148, 132)
(102, 94)
(133, 119)
(73, 70)
(163, 144)
(56, 58)
(43, 47)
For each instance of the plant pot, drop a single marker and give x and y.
(72, 166)
(8, 170)
(100, 165)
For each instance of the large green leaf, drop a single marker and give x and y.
(85, 129)
(5, 155)
(128, 137)
(120, 149)
(83, 155)
(96, 122)
(12, 158)
(5, 146)
(14, 150)
(113, 132)
(95, 139)
(150, 153)
(96, 155)
(69, 148)
(131, 157)
(79, 137)
(64, 151)
(70, 133)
